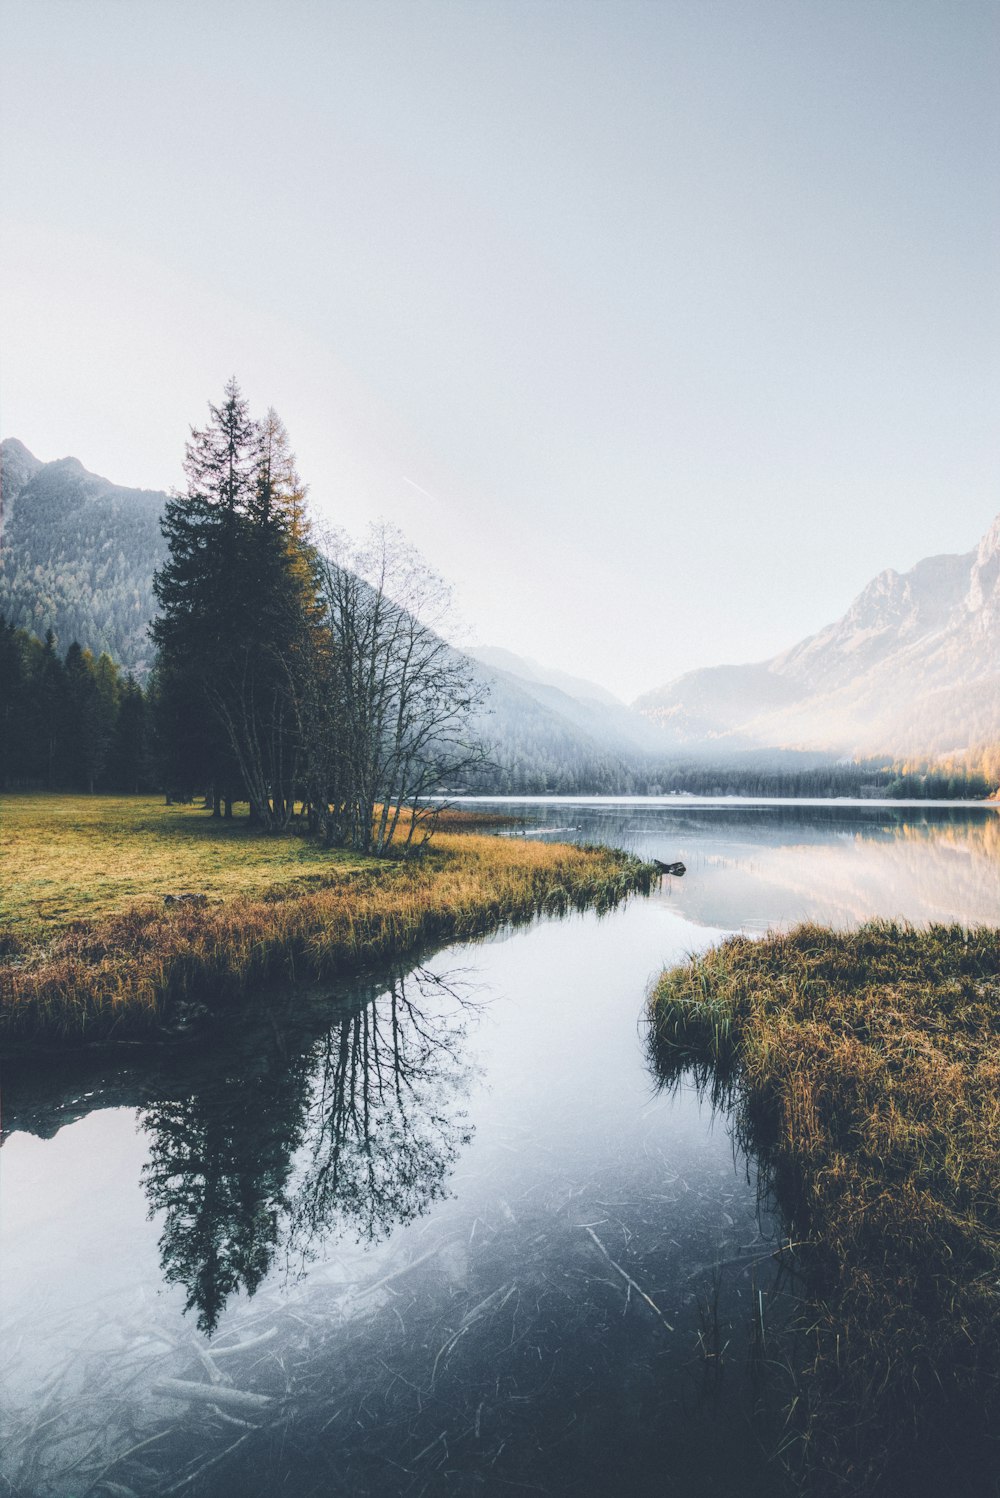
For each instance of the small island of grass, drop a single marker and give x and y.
(864, 1070)
(89, 951)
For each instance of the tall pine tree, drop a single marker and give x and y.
(198, 590)
(238, 600)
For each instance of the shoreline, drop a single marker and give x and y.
(695, 798)
(860, 1069)
(131, 974)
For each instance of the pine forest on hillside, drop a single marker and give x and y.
(77, 556)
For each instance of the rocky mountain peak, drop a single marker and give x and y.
(13, 450)
(879, 604)
(17, 467)
(984, 583)
(912, 667)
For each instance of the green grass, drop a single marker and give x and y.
(72, 858)
(864, 1070)
(93, 954)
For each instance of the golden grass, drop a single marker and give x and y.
(124, 973)
(865, 1071)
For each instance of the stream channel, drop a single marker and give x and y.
(438, 1231)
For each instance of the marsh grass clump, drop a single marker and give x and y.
(864, 1067)
(135, 969)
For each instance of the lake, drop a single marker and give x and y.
(438, 1231)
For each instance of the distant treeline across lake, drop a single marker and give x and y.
(70, 721)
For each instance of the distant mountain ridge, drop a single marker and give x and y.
(526, 669)
(77, 555)
(588, 712)
(531, 719)
(911, 669)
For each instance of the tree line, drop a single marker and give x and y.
(312, 681)
(309, 679)
(70, 722)
(73, 722)
(530, 769)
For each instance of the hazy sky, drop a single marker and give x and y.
(660, 327)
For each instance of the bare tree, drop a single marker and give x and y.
(392, 714)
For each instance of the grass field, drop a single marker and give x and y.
(71, 858)
(91, 952)
(864, 1068)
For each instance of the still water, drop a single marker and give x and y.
(437, 1232)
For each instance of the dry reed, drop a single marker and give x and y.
(864, 1068)
(126, 975)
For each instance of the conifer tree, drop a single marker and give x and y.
(238, 594)
(198, 589)
(13, 702)
(48, 709)
(81, 728)
(127, 768)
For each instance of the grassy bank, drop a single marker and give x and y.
(864, 1068)
(73, 858)
(93, 953)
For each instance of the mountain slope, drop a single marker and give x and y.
(528, 670)
(582, 706)
(77, 555)
(912, 669)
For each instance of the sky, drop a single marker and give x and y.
(660, 328)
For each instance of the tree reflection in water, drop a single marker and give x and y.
(356, 1132)
(382, 1131)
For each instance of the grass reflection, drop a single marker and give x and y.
(861, 1071)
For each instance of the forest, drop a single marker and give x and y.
(309, 682)
(77, 556)
(76, 723)
(70, 722)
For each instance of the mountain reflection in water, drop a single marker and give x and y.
(756, 865)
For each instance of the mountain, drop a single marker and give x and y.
(526, 669)
(544, 738)
(911, 670)
(582, 709)
(77, 555)
(17, 466)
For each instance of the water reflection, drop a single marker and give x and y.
(754, 866)
(357, 1134)
(218, 1171)
(428, 1310)
(384, 1123)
